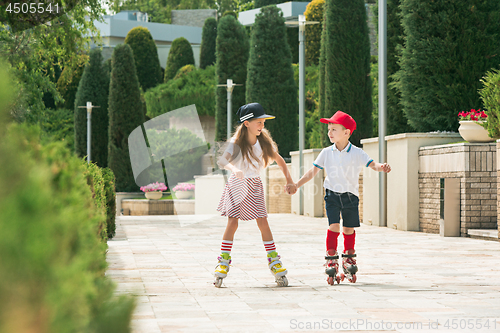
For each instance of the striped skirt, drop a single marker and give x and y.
(243, 199)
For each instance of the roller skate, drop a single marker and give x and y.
(332, 267)
(277, 269)
(349, 266)
(221, 269)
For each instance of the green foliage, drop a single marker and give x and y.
(34, 54)
(490, 95)
(263, 3)
(208, 39)
(125, 114)
(448, 48)
(67, 85)
(146, 59)
(93, 87)
(180, 55)
(190, 86)
(232, 57)
(109, 191)
(95, 181)
(270, 77)
(292, 36)
(53, 261)
(58, 125)
(347, 82)
(312, 136)
(183, 161)
(374, 76)
(314, 12)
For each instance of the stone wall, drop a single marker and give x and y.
(278, 201)
(192, 17)
(475, 165)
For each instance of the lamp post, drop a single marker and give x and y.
(302, 75)
(382, 107)
(89, 107)
(229, 87)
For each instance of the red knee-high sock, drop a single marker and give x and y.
(331, 240)
(349, 241)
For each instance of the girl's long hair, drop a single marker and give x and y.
(269, 147)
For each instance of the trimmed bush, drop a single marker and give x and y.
(448, 48)
(347, 81)
(125, 114)
(232, 58)
(190, 86)
(53, 261)
(93, 87)
(270, 78)
(180, 55)
(208, 39)
(146, 59)
(490, 95)
(58, 125)
(314, 12)
(109, 191)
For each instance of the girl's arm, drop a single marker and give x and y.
(225, 164)
(282, 164)
(308, 176)
(379, 167)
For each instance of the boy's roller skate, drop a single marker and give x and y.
(277, 269)
(332, 267)
(349, 266)
(221, 269)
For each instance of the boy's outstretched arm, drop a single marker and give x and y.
(380, 167)
(308, 176)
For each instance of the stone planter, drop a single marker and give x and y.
(184, 194)
(472, 131)
(154, 195)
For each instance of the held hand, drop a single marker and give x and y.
(291, 189)
(386, 168)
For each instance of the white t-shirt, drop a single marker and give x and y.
(250, 170)
(342, 167)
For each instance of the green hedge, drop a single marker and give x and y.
(490, 95)
(196, 86)
(52, 258)
(180, 55)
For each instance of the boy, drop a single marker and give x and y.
(343, 163)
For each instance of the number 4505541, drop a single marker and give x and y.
(32, 8)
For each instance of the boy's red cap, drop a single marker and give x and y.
(341, 118)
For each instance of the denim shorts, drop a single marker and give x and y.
(346, 204)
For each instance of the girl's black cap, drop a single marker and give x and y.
(252, 111)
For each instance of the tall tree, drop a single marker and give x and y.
(93, 87)
(314, 12)
(180, 55)
(347, 80)
(125, 114)
(146, 59)
(449, 46)
(208, 40)
(232, 57)
(270, 77)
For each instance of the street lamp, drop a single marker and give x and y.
(229, 87)
(302, 75)
(382, 107)
(89, 107)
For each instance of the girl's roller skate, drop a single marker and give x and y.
(332, 267)
(277, 269)
(349, 266)
(221, 269)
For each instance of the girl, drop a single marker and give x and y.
(250, 150)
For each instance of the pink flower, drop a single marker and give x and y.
(154, 187)
(474, 115)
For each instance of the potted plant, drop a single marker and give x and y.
(473, 126)
(154, 190)
(184, 190)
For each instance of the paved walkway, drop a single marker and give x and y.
(407, 281)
